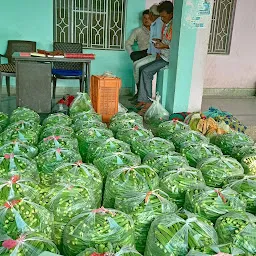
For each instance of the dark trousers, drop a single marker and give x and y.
(138, 55)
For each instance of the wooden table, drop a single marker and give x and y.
(33, 80)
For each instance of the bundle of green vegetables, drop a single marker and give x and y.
(126, 116)
(113, 161)
(246, 187)
(81, 103)
(238, 228)
(27, 244)
(18, 147)
(49, 160)
(125, 251)
(163, 163)
(178, 181)
(133, 179)
(157, 146)
(86, 116)
(102, 148)
(21, 215)
(212, 203)
(102, 229)
(87, 175)
(24, 135)
(85, 124)
(89, 136)
(4, 121)
(121, 124)
(57, 130)
(249, 164)
(240, 152)
(182, 136)
(28, 125)
(167, 129)
(24, 114)
(175, 234)
(10, 163)
(57, 119)
(218, 170)
(130, 134)
(60, 141)
(227, 142)
(196, 152)
(144, 207)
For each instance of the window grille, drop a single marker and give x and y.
(222, 27)
(98, 24)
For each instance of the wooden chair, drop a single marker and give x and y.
(9, 70)
(63, 70)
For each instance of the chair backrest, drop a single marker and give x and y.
(68, 48)
(19, 46)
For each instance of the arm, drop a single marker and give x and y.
(129, 43)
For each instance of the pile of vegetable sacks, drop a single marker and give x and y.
(74, 186)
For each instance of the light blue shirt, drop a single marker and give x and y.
(155, 32)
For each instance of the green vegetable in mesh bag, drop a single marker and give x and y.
(240, 152)
(238, 228)
(196, 152)
(125, 251)
(212, 203)
(85, 124)
(249, 164)
(24, 114)
(19, 147)
(219, 250)
(127, 116)
(49, 160)
(131, 134)
(113, 161)
(87, 175)
(218, 170)
(163, 163)
(21, 215)
(102, 148)
(167, 129)
(57, 119)
(144, 207)
(246, 187)
(175, 234)
(65, 201)
(10, 163)
(90, 136)
(81, 103)
(86, 116)
(180, 137)
(26, 136)
(178, 181)
(57, 130)
(61, 141)
(4, 120)
(27, 244)
(103, 229)
(121, 124)
(226, 142)
(158, 146)
(28, 125)
(133, 179)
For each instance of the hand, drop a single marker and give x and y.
(158, 56)
(156, 40)
(160, 45)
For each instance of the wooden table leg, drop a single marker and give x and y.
(88, 77)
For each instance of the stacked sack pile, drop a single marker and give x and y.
(74, 187)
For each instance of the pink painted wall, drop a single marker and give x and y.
(237, 70)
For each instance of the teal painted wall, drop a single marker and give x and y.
(33, 20)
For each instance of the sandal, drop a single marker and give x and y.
(144, 109)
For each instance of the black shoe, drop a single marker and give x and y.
(135, 97)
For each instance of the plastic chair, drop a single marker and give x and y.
(63, 70)
(9, 70)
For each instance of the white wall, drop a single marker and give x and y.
(237, 70)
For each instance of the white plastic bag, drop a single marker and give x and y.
(156, 114)
(122, 108)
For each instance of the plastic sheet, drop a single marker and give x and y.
(175, 234)
(144, 207)
(57, 119)
(127, 116)
(133, 179)
(28, 125)
(86, 116)
(81, 103)
(85, 124)
(102, 229)
(212, 203)
(218, 170)
(122, 124)
(113, 161)
(177, 182)
(24, 114)
(240, 152)
(57, 130)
